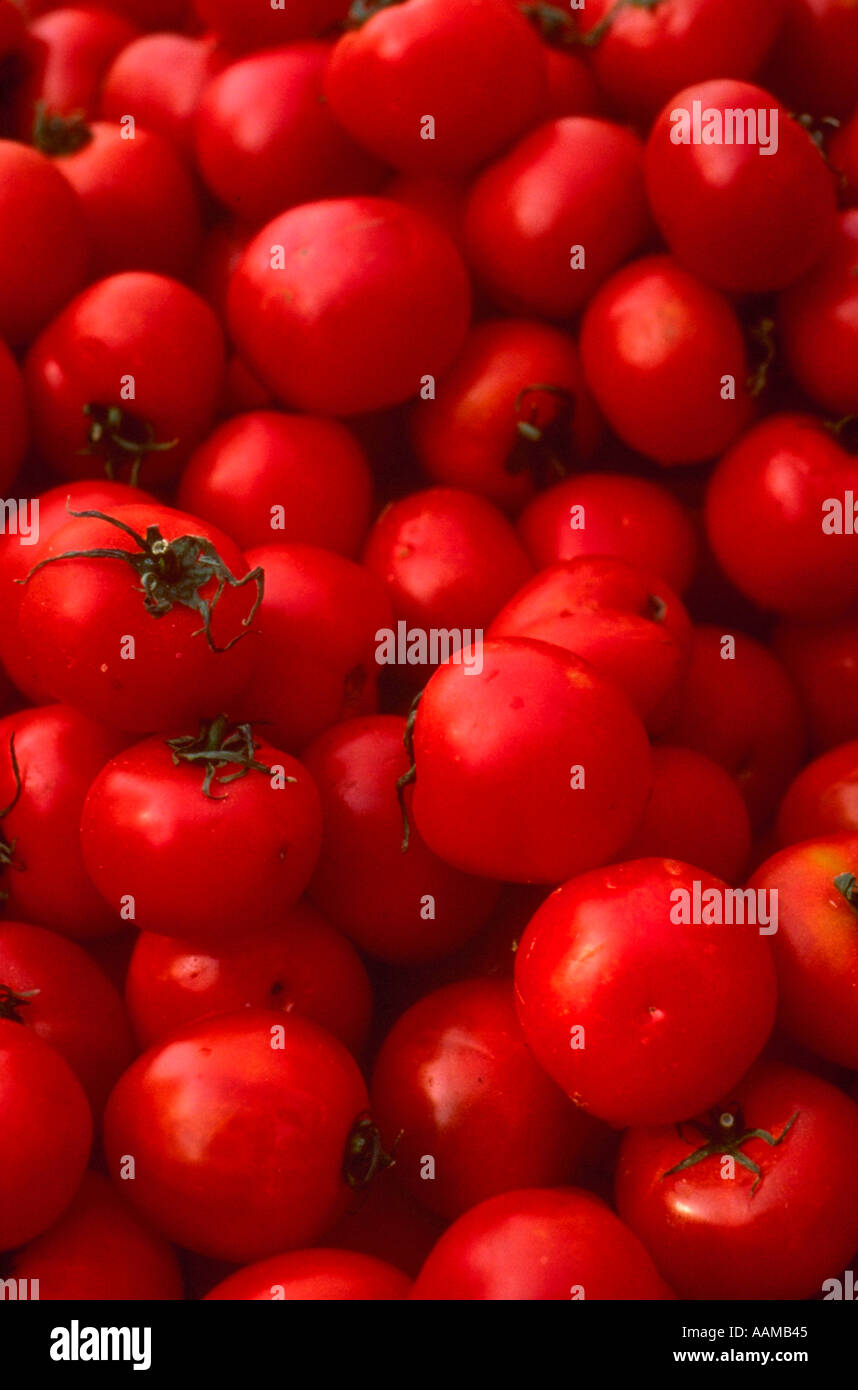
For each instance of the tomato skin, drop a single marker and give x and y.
(819, 323)
(441, 200)
(58, 752)
(621, 515)
(539, 1245)
(303, 964)
(38, 212)
(494, 753)
(46, 1137)
(823, 799)
(215, 1102)
(467, 436)
(310, 470)
(371, 298)
(820, 657)
(363, 881)
(385, 75)
(316, 1276)
(816, 56)
(100, 1250)
(767, 522)
(244, 25)
(572, 88)
(708, 1237)
(696, 814)
(16, 425)
(159, 79)
(150, 14)
(654, 334)
(624, 621)
(72, 50)
(672, 1014)
(816, 945)
(76, 616)
(738, 219)
(577, 181)
(447, 558)
(251, 851)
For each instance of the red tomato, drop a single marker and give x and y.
(771, 1230)
(611, 514)
(315, 1276)
(741, 218)
(13, 411)
(447, 558)
(650, 1024)
(624, 621)
(159, 80)
(320, 625)
(545, 1244)
(99, 1249)
(72, 48)
(397, 907)
(551, 220)
(46, 1134)
(266, 139)
(456, 1077)
(696, 814)
(816, 57)
(512, 411)
(105, 634)
(56, 989)
(739, 707)
(209, 838)
(816, 945)
(821, 659)
(266, 477)
(819, 324)
(781, 513)
(137, 338)
(249, 24)
(572, 89)
(150, 14)
(48, 758)
(391, 83)
(38, 213)
(348, 305)
(823, 799)
(222, 249)
(530, 769)
(653, 337)
(239, 1128)
(302, 965)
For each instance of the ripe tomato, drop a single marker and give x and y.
(319, 625)
(315, 1276)
(819, 323)
(266, 139)
(397, 907)
(823, 799)
(48, 759)
(816, 57)
(159, 80)
(739, 707)
(129, 372)
(222, 249)
(46, 1134)
(13, 411)
(99, 1249)
(696, 814)
(655, 336)
(611, 514)
(348, 305)
(816, 945)
(532, 769)
(512, 411)
(627, 623)
(780, 515)
(209, 837)
(649, 1025)
(71, 51)
(391, 83)
(38, 214)
(105, 634)
(742, 219)
(303, 964)
(447, 558)
(149, 14)
(238, 1128)
(551, 220)
(538, 1245)
(249, 24)
(772, 1230)
(820, 658)
(456, 1077)
(266, 477)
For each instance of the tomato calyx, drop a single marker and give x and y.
(542, 446)
(725, 1133)
(56, 135)
(118, 436)
(656, 609)
(365, 1154)
(598, 32)
(847, 886)
(7, 847)
(363, 10)
(845, 431)
(217, 745)
(170, 573)
(762, 344)
(820, 129)
(408, 778)
(12, 1001)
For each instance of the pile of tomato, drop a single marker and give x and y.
(522, 968)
